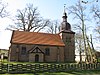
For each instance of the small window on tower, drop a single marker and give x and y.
(68, 39)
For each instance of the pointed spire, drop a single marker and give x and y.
(64, 14)
(64, 7)
(65, 25)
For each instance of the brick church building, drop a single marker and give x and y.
(43, 47)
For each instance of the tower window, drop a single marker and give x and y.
(23, 51)
(68, 39)
(47, 51)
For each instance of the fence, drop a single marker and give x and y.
(34, 68)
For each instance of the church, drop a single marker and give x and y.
(43, 47)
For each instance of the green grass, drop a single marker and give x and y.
(5, 61)
(64, 73)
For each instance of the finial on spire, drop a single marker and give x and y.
(64, 14)
(64, 7)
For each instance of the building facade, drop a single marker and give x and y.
(44, 47)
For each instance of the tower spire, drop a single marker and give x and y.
(64, 7)
(64, 14)
(65, 25)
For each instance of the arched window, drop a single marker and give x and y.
(47, 51)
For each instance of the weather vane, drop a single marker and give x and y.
(86, 2)
(64, 7)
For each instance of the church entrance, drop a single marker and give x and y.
(36, 55)
(36, 58)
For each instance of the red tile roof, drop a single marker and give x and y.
(22, 37)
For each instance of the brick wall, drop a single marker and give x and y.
(56, 53)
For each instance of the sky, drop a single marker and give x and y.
(48, 9)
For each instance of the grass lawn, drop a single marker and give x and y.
(64, 73)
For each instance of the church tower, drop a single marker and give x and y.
(68, 38)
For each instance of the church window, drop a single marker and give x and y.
(23, 51)
(47, 51)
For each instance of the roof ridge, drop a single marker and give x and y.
(36, 32)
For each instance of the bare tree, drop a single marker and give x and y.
(53, 27)
(3, 12)
(96, 10)
(79, 45)
(96, 16)
(97, 30)
(79, 13)
(88, 1)
(29, 19)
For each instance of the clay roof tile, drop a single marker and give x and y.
(36, 38)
